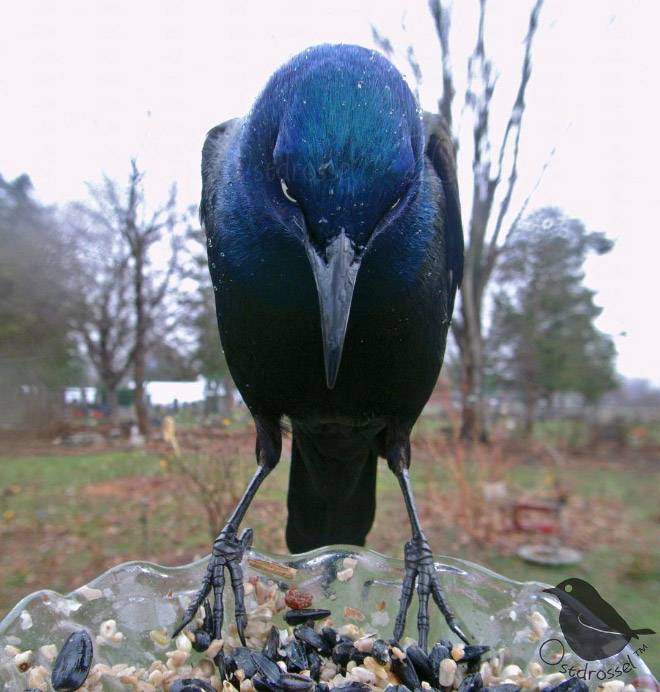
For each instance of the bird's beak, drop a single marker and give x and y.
(335, 276)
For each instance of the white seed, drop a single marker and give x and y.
(206, 667)
(447, 672)
(362, 675)
(48, 651)
(350, 630)
(159, 637)
(350, 666)
(256, 628)
(175, 659)
(538, 624)
(372, 664)
(108, 628)
(89, 593)
(37, 683)
(458, 652)
(227, 686)
(511, 671)
(425, 685)
(345, 574)
(613, 686)
(12, 650)
(246, 686)
(547, 681)
(629, 688)
(396, 651)
(26, 620)
(183, 643)
(328, 672)
(282, 665)
(37, 676)
(535, 669)
(156, 678)
(349, 563)
(213, 649)
(24, 661)
(486, 673)
(261, 592)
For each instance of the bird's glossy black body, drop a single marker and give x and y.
(335, 248)
(267, 300)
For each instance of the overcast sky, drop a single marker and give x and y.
(86, 84)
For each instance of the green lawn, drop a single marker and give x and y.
(65, 519)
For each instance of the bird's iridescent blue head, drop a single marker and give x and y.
(337, 138)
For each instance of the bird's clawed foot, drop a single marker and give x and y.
(228, 551)
(419, 565)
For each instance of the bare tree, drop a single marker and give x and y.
(103, 316)
(126, 311)
(493, 179)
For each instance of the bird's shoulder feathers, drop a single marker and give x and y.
(213, 155)
(440, 154)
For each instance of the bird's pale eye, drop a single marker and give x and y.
(395, 204)
(287, 194)
(568, 588)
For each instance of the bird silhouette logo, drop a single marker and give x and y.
(590, 625)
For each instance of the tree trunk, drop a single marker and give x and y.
(530, 414)
(141, 408)
(472, 403)
(468, 332)
(112, 402)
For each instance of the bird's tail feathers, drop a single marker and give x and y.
(635, 633)
(331, 500)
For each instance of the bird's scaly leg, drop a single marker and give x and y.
(229, 548)
(419, 564)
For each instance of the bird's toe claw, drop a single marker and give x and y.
(420, 567)
(227, 553)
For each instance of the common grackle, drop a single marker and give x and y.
(335, 247)
(592, 627)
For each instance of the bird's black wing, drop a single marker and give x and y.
(213, 155)
(440, 153)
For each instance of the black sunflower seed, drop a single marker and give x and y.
(270, 670)
(571, 685)
(381, 652)
(405, 671)
(296, 656)
(471, 683)
(309, 636)
(505, 687)
(201, 639)
(301, 616)
(473, 653)
(72, 665)
(272, 644)
(290, 682)
(419, 658)
(330, 636)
